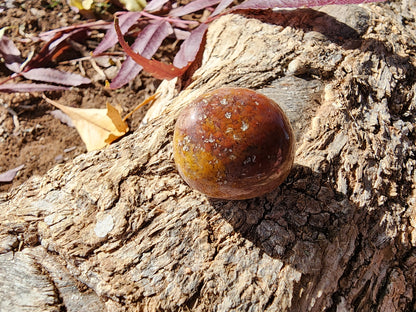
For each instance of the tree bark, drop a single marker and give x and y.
(118, 230)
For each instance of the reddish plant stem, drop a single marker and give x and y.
(169, 19)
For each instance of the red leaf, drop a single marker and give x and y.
(159, 70)
(53, 48)
(48, 35)
(158, 32)
(190, 47)
(269, 4)
(147, 43)
(11, 54)
(29, 87)
(55, 76)
(181, 34)
(110, 39)
(193, 6)
(9, 175)
(155, 5)
(221, 6)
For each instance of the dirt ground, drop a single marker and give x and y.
(29, 134)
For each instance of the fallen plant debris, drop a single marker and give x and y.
(64, 118)
(150, 99)
(9, 175)
(87, 7)
(97, 127)
(161, 19)
(173, 23)
(35, 68)
(158, 69)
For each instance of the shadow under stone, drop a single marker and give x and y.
(297, 222)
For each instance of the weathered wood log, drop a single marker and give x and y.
(118, 229)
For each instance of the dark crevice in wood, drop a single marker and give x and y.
(191, 302)
(60, 303)
(360, 302)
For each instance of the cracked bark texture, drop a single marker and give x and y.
(118, 230)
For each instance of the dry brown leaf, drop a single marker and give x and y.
(97, 127)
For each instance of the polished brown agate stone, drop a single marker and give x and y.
(233, 143)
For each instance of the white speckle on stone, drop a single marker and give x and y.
(104, 226)
(228, 115)
(224, 102)
(244, 126)
(286, 135)
(210, 139)
(202, 117)
(247, 161)
(186, 141)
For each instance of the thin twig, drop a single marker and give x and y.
(15, 118)
(146, 101)
(167, 19)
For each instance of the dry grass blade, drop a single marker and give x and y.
(146, 101)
